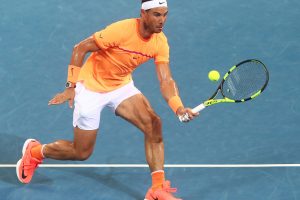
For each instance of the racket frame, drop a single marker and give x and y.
(212, 101)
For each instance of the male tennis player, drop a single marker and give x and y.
(105, 80)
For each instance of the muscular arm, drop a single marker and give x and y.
(169, 88)
(80, 50)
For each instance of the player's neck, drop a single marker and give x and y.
(144, 30)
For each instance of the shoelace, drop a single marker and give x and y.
(33, 164)
(167, 187)
(170, 190)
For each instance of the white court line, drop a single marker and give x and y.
(166, 165)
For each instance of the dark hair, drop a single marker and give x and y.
(145, 1)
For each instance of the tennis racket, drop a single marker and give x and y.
(243, 82)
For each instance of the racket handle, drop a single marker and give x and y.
(198, 108)
(194, 110)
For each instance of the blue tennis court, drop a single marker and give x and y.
(36, 40)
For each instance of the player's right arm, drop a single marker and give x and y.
(80, 50)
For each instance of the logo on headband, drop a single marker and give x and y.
(154, 4)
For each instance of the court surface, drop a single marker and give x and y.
(36, 40)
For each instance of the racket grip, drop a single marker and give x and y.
(194, 110)
(198, 108)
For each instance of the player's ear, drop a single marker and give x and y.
(143, 13)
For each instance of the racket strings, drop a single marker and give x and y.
(245, 80)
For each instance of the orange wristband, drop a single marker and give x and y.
(175, 102)
(73, 73)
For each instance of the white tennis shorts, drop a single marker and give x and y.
(89, 104)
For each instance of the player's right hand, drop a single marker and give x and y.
(186, 114)
(67, 95)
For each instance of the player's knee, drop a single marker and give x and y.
(156, 123)
(156, 138)
(83, 155)
(152, 122)
(153, 128)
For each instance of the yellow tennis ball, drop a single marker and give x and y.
(214, 75)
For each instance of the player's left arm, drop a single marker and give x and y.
(170, 91)
(78, 55)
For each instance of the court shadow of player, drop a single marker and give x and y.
(11, 151)
(109, 181)
(10, 148)
(8, 175)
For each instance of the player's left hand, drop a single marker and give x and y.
(186, 114)
(67, 95)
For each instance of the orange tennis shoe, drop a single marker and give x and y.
(27, 164)
(162, 194)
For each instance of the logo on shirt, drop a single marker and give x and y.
(100, 36)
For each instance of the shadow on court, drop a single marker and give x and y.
(10, 148)
(8, 175)
(110, 181)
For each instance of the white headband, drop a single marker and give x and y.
(154, 4)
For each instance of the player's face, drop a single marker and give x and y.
(155, 19)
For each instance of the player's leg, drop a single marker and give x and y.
(86, 118)
(79, 149)
(138, 111)
(34, 152)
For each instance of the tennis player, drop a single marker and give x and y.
(104, 79)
